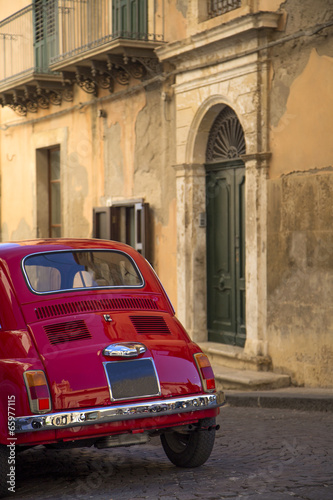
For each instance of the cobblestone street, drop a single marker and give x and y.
(259, 453)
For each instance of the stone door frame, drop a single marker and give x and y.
(191, 235)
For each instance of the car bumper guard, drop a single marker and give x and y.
(102, 415)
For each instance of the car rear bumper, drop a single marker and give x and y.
(118, 413)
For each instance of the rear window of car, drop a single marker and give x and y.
(72, 270)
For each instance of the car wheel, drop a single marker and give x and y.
(4, 468)
(192, 449)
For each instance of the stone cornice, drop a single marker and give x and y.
(189, 169)
(262, 158)
(205, 40)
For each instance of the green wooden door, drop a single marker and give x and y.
(225, 190)
(45, 33)
(129, 18)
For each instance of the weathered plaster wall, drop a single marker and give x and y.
(300, 193)
(302, 139)
(17, 185)
(124, 156)
(139, 143)
(300, 276)
(175, 20)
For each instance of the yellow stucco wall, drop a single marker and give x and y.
(300, 227)
(302, 140)
(102, 159)
(9, 8)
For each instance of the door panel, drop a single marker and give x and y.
(45, 33)
(129, 18)
(240, 253)
(226, 255)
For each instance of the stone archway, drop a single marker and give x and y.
(191, 231)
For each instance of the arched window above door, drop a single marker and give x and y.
(226, 138)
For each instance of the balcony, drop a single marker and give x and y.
(51, 45)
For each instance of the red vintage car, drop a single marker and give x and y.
(91, 354)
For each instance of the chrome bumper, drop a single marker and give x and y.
(118, 413)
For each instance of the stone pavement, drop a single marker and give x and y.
(260, 453)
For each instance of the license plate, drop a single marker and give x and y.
(132, 379)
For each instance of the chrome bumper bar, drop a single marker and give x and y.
(118, 413)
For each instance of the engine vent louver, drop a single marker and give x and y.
(150, 325)
(62, 309)
(67, 332)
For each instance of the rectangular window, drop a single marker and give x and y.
(71, 270)
(126, 222)
(49, 213)
(55, 193)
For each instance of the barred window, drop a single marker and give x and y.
(219, 7)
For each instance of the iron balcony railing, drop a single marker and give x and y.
(87, 24)
(219, 7)
(16, 45)
(51, 31)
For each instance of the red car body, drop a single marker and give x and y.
(91, 352)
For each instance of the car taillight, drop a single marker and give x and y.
(206, 372)
(38, 391)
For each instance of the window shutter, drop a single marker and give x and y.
(115, 214)
(102, 223)
(127, 223)
(141, 227)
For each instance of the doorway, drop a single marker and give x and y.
(225, 209)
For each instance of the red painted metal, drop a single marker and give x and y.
(65, 333)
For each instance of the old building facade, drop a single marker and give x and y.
(198, 132)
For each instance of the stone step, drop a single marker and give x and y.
(234, 357)
(248, 380)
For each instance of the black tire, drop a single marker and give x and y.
(192, 449)
(4, 468)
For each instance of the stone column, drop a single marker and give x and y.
(191, 250)
(256, 168)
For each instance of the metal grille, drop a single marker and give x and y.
(67, 332)
(219, 7)
(226, 139)
(94, 305)
(150, 325)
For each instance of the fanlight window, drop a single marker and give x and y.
(226, 139)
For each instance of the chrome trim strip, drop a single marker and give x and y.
(102, 415)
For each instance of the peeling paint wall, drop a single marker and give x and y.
(175, 19)
(124, 156)
(300, 194)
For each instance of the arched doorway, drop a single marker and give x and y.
(225, 209)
